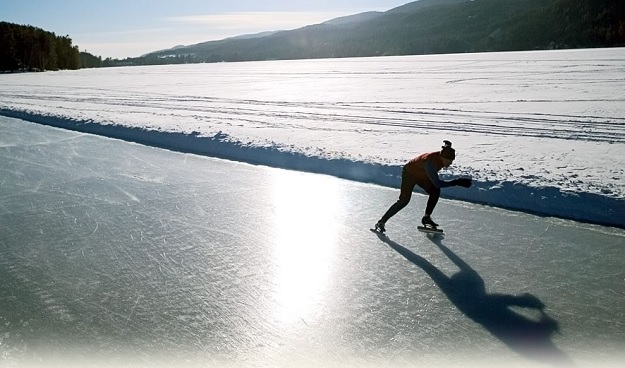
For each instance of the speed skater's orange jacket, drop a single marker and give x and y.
(416, 167)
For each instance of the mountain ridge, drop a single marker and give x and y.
(416, 28)
(426, 27)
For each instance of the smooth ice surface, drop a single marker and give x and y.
(118, 254)
(541, 131)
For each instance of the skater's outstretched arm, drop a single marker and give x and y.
(430, 170)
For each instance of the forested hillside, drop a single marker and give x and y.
(427, 27)
(420, 27)
(31, 48)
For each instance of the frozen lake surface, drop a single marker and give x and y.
(541, 131)
(118, 254)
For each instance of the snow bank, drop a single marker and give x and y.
(514, 195)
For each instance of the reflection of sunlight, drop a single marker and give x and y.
(305, 208)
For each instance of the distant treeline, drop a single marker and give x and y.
(420, 27)
(30, 48)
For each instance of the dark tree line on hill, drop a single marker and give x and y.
(31, 48)
(28, 48)
(421, 27)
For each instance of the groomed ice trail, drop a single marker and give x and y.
(119, 254)
(541, 132)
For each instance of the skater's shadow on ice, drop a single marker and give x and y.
(466, 290)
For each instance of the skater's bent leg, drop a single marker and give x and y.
(435, 194)
(392, 211)
(407, 186)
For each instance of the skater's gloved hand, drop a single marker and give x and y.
(463, 182)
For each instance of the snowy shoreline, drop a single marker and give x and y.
(513, 195)
(540, 132)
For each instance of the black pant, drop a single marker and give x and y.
(408, 182)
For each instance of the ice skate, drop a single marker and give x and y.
(429, 226)
(379, 227)
(428, 222)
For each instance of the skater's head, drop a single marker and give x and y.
(448, 154)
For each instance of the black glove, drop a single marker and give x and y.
(463, 182)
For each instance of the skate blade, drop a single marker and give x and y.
(430, 230)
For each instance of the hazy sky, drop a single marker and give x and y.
(126, 28)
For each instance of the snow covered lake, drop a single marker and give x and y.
(114, 253)
(538, 131)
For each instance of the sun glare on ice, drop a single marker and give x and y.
(305, 207)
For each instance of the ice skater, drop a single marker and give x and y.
(423, 171)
